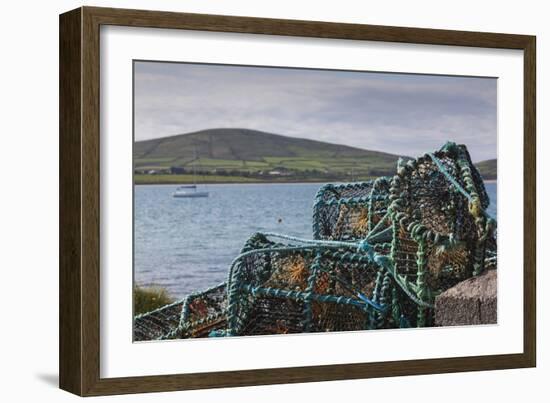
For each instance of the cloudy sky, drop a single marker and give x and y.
(398, 113)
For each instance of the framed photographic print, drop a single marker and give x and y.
(249, 201)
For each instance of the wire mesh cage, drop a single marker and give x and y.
(285, 288)
(158, 323)
(197, 315)
(441, 231)
(349, 211)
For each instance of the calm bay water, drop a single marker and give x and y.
(186, 245)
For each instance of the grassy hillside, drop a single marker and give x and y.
(255, 156)
(488, 169)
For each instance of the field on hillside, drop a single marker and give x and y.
(243, 155)
(269, 163)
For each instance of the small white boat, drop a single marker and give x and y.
(186, 191)
(190, 191)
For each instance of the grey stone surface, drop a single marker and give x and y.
(471, 302)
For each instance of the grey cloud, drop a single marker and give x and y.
(398, 113)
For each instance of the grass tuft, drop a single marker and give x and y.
(147, 299)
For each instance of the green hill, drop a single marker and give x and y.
(227, 154)
(488, 169)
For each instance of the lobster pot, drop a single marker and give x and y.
(203, 313)
(440, 234)
(305, 290)
(158, 323)
(349, 211)
(195, 316)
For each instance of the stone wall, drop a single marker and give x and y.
(471, 302)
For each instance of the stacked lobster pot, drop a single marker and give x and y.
(441, 231)
(382, 250)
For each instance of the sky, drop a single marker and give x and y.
(403, 114)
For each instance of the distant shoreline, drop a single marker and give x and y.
(178, 180)
(245, 182)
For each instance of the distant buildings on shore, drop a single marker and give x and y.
(276, 172)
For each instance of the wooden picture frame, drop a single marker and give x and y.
(79, 278)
